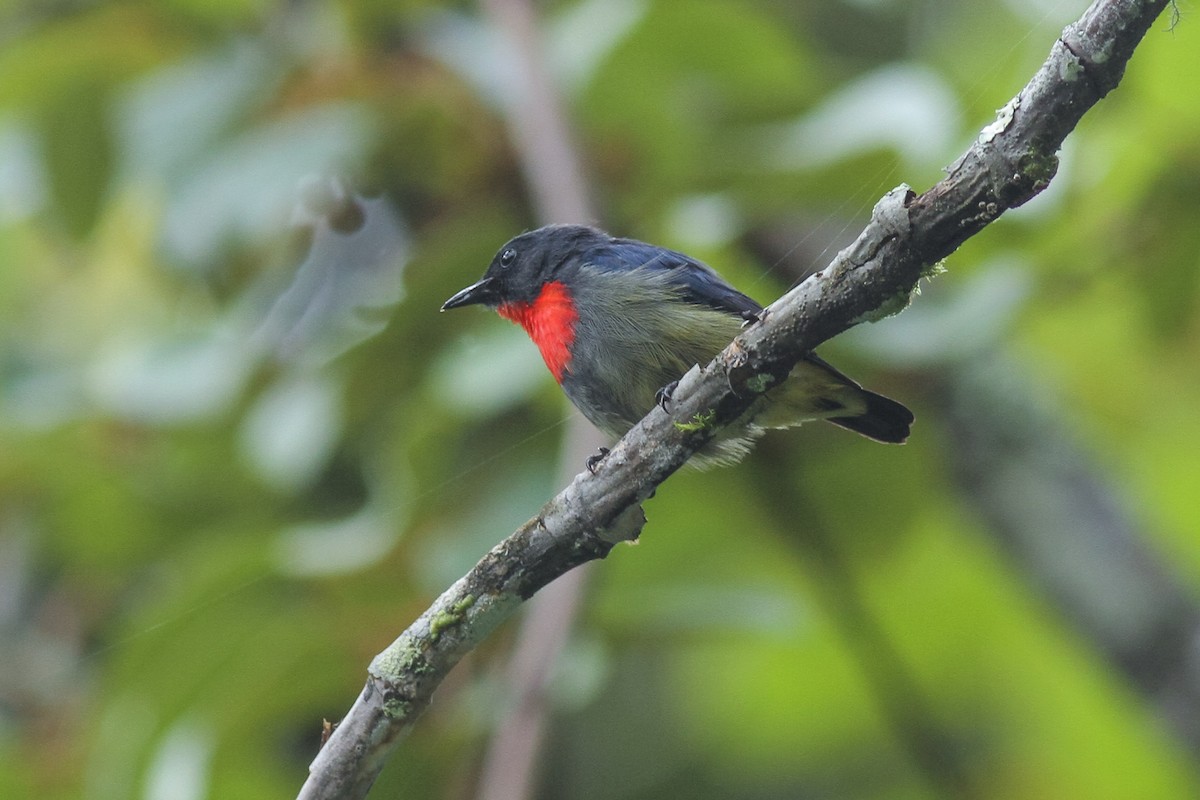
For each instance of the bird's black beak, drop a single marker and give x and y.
(481, 292)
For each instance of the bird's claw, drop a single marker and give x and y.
(751, 317)
(594, 460)
(662, 397)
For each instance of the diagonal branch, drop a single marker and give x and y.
(1012, 160)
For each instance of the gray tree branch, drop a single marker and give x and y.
(1012, 160)
(1067, 528)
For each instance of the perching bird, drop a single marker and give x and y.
(617, 320)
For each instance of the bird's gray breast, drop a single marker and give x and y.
(635, 334)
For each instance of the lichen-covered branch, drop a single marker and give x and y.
(1013, 159)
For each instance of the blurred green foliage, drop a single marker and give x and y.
(209, 524)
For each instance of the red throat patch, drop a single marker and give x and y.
(550, 322)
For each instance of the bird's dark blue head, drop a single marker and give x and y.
(530, 282)
(526, 263)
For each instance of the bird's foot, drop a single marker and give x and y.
(594, 460)
(751, 317)
(662, 398)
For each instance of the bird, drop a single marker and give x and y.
(619, 321)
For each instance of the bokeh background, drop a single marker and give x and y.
(240, 449)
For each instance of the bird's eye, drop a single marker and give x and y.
(508, 257)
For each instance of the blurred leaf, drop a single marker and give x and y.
(487, 373)
(290, 432)
(23, 188)
(174, 117)
(339, 546)
(245, 189)
(180, 767)
(951, 319)
(159, 380)
(907, 108)
(350, 281)
(583, 35)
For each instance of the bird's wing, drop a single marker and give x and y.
(699, 283)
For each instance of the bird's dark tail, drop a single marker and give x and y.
(885, 420)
